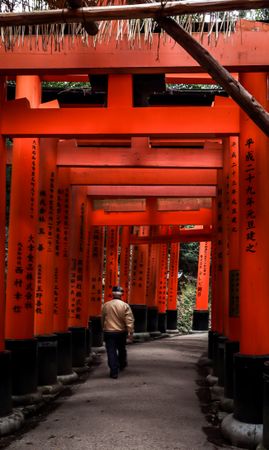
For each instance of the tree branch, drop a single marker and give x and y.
(238, 93)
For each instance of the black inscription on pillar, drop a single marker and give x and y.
(250, 178)
(234, 282)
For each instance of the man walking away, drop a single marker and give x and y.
(118, 323)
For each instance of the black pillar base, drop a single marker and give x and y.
(5, 384)
(47, 359)
(210, 343)
(220, 362)
(140, 316)
(97, 331)
(24, 365)
(162, 327)
(152, 319)
(78, 346)
(230, 349)
(248, 387)
(265, 438)
(215, 350)
(200, 320)
(171, 318)
(64, 354)
(88, 346)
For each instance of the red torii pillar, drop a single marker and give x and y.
(217, 277)
(61, 277)
(151, 284)
(254, 280)
(5, 356)
(231, 345)
(137, 298)
(200, 313)
(20, 308)
(125, 261)
(173, 286)
(111, 277)
(96, 264)
(212, 333)
(78, 300)
(161, 288)
(224, 292)
(45, 258)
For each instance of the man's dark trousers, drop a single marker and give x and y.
(116, 350)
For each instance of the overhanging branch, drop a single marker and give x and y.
(237, 92)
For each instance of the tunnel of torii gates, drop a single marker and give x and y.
(111, 190)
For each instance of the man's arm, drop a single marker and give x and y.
(129, 320)
(103, 315)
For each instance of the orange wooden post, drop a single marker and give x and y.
(45, 258)
(78, 302)
(217, 314)
(213, 332)
(234, 300)
(161, 288)
(61, 278)
(231, 277)
(96, 274)
(173, 285)
(200, 313)
(137, 298)
(22, 251)
(225, 245)
(3, 158)
(254, 260)
(219, 254)
(151, 297)
(5, 356)
(125, 261)
(111, 277)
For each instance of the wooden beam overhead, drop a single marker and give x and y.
(167, 204)
(136, 176)
(220, 120)
(183, 236)
(99, 13)
(143, 191)
(69, 155)
(248, 44)
(100, 217)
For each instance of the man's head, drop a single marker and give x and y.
(117, 292)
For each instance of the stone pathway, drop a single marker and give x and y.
(153, 405)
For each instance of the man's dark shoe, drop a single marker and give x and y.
(122, 366)
(113, 375)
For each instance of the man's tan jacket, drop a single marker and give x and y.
(117, 316)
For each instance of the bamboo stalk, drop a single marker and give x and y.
(238, 93)
(136, 11)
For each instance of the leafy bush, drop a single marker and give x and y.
(186, 304)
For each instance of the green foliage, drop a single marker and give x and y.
(189, 253)
(191, 87)
(186, 304)
(66, 84)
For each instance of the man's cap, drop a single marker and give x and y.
(117, 289)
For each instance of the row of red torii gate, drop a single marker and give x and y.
(151, 177)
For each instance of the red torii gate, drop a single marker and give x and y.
(251, 140)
